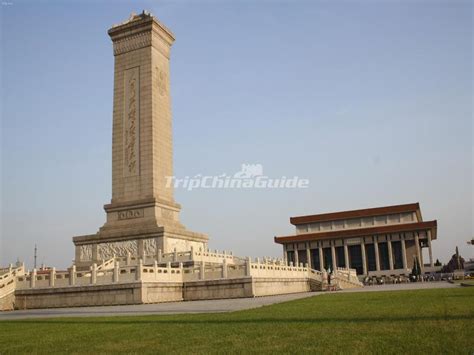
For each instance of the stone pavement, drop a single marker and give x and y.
(208, 306)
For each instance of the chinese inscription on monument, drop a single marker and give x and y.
(131, 122)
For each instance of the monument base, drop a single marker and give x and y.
(158, 292)
(99, 295)
(138, 229)
(137, 243)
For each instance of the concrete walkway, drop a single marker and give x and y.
(208, 306)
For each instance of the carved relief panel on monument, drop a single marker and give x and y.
(86, 252)
(108, 250)
(150, 247)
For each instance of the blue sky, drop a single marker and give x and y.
(371, 101)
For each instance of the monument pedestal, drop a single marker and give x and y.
(139, 229)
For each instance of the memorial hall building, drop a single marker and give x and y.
(374, 241)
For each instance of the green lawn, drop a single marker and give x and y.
(424, 321)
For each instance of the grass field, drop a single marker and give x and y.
(422, 321)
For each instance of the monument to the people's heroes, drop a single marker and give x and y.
(142, 217)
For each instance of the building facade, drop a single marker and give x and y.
(375, 241)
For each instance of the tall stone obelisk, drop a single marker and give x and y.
(142, 217)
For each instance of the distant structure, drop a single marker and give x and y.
(374, 241)
(36, 256)
(456, 263)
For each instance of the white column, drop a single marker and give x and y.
(297, 260)
(139, 270)
(418, 251)
(155, 269)
(429, 249)
(72, 275)
(364, 258)
(404, 251)
(224, 269)
(308, 256)
(202, 270)
(346, 255)
(321, 261)
(377, 260)
(52, 277)
(33, 279)
(333, 256)
(390, 253)
(285, 256)
(117, 271)
(158, 254)
(94, 274)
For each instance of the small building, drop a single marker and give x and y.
(374, 241)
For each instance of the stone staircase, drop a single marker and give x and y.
(8, 285)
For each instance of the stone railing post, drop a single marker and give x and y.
(72, 275)
(52, 277)
(224, 269)
(202, 270)
(33, 279)
(129, 258)
(159, 256)
(324, 279)
(168, 266)
(155, 269)
(139, 269)
(94, 274)
(116, 271)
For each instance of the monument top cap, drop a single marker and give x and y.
(142, 20)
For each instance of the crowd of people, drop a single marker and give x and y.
(400, 279)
